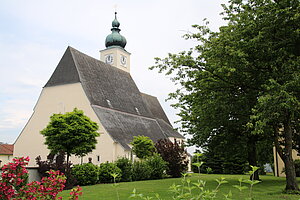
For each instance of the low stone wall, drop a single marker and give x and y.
(33, 174)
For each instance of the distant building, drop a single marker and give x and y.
(6, 153)
(279, 164)
(106, 92)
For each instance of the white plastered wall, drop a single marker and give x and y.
(5, 159)
(61, 99)
(178, 140)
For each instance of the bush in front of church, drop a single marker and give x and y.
(106, 170)
(158, 166)
(125, 165)
(141, 170)
(55, 162)
(175, 155)
(86, 174)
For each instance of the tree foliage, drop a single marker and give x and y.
(72, 133)
(243, 79)
(142, 146)
(174, 154)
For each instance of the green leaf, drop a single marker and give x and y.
(240, 188)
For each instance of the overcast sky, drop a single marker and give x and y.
(34, 35)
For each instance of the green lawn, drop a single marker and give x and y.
(269, 189)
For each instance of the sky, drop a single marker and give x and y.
(34, 35)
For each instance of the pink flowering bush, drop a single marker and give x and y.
(14, 186)
(75, 192)
(14, 176)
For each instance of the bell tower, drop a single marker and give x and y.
(115, 53)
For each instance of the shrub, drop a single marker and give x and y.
(55, 162)
(157, 166)
(140, 171)
(143, 146)
(174, 154)
(86, 174)
(126, 167)
(106, 170)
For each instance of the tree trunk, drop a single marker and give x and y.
(291, 182)
(68, 166)
(252, 157)
(70, 180)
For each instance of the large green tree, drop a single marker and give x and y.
(244, 78)
(72, 133)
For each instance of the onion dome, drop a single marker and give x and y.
(115, 38)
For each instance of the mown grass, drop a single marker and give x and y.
(269, 189)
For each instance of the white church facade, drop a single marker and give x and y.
(106, 92)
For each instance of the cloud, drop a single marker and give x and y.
(15, 113)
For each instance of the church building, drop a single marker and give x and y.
(106, 92)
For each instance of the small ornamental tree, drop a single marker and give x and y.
(72, 133)
(143, 146)
(174, 154)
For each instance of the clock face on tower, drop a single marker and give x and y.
(123, 60)
(109, 59)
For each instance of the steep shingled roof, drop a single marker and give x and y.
(123, 126)
(6, 149)
(118, 103)
(155, 108)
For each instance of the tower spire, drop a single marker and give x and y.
(115, 54)
(115, 38)
(116, 23)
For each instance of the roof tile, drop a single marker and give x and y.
(6, 149)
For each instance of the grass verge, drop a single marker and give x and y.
(269, 189)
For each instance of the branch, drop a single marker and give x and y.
(243, 86)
